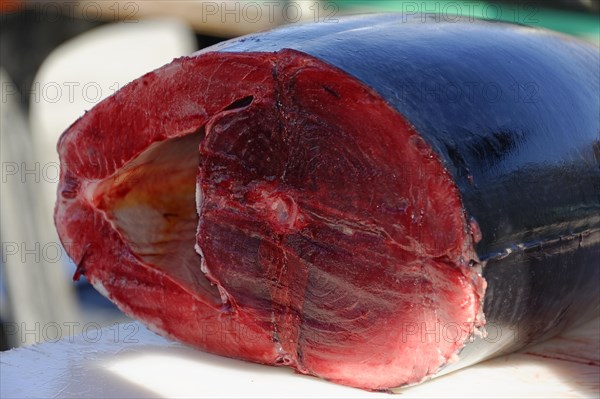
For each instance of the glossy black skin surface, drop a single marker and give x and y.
(514, 114)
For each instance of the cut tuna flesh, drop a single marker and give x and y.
(283, 202)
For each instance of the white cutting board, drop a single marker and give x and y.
(128, 361)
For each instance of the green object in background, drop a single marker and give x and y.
(581, 24)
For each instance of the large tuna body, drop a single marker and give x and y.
(354, 200)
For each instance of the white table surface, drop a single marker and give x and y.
(129, 361)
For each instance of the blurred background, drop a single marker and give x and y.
(59, 58)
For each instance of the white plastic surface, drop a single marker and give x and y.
(129, 361)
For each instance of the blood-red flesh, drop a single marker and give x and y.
(269, 207)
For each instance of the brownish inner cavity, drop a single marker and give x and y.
(150, 201)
